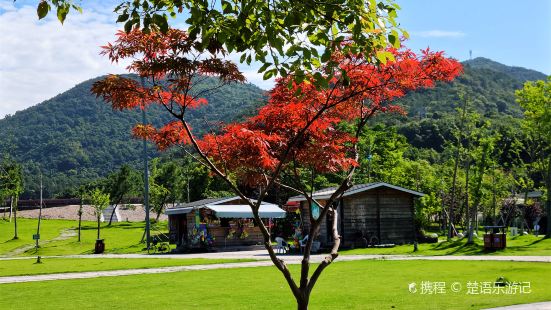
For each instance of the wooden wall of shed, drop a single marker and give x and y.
(220, 233)
(305, 214)
(392, 224)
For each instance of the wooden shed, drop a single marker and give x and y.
(217, 223)
(379, 210)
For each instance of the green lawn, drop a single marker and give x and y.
(17, 267)
(121, 237)
(520, 245)
(26, 228)
(125, 237)
(371, 284)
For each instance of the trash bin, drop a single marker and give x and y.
(100, 246)
(495, 238)
(500, 241)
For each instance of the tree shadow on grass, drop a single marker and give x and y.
(468, 249)
(539, 240)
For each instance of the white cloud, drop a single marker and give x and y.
(439, 34)
(40, 59)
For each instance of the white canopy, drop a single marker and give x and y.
(266, 210)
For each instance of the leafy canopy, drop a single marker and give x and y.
(535, 99)
(99, 201)
(287, 37)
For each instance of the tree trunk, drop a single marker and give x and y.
(456, 167)
(158, 214)
(79, 218)
(15, 219)
(452, 205)
(302, 302)
(98, 226)
(548, 234)
(11, 207)
(469, 215)
(112, 214)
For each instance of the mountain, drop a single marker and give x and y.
(489, 88)
(74, 137)
(519, 73)
(488, 85)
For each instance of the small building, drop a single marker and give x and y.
(218, 223)
(535, 196)
(378, 211)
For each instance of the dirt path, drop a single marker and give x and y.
(64, 235)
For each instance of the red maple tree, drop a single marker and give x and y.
(301, 126)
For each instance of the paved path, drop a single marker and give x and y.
(534, 306)
(116, 273)
(261, 256)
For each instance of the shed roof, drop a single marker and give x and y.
(266, 210)
(327, 192)
(204, 202)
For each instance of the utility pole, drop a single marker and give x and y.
(187, 188)
(39, 214)
(146, 179)
(494, 195)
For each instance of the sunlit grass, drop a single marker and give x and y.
(371, 284)
(17, 267)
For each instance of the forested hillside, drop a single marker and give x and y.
(74, 138)
(489, 85)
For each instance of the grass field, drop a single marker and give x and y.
(520, 245)
(26, 228)
(121, 237)
(18, 267)
(124, 237)
(372, 284)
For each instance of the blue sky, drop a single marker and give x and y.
(516, 33)
(40, 59)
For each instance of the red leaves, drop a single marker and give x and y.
(170, 134)
(169, 65)
(123, 93)
(305, 130)
(301, 126)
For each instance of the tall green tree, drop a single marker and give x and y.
(11, 186)
(168, 183)
(535, 99)
(99, 201)
(122, 185)
(459, 135)
(483, 141)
